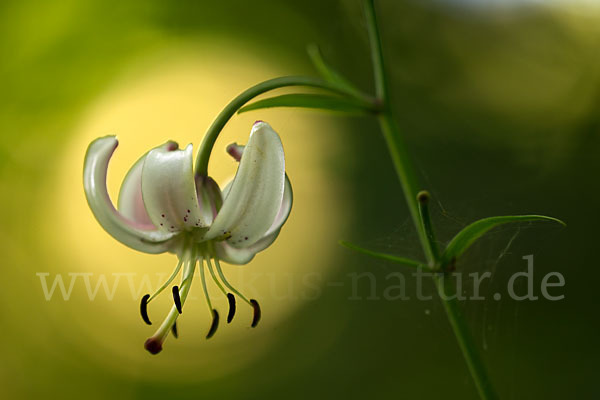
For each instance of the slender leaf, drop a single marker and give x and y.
(327, 72)
(384, 256)
(466, 237)
(318, 101)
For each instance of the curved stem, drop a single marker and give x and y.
(408, 181)
(234, 105)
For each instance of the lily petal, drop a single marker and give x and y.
(241, 256)
(284, 209)
(132, 234)
(256, 194)
(169, 190)
(209, 197)
(235, 150)
(131, 203)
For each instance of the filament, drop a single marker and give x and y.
(203, 278)
(214, 313)
(212, 273)
(226, 282)
(173, 275)
(230, 297)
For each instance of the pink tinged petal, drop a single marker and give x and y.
(131, 203)
(169, 190)
(256, 194)
(235, 150)
(135, 235)
(209, 197)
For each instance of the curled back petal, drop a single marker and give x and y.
(130, 233)
(243, 255)
(169, 190)
(236, 151)
(256, 194)
(284, 209)
(131, 203)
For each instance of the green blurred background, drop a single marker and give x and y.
(499, 105)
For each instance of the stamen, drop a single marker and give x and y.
(173, 275)
(176, 299)
(212, 273)
(253, 303)
(144, 309)
(257, 313)
(231, 299)
(147, 298)
(215, 314)
(226, 282)
(174, 330)
(214, 325)
(204, 288)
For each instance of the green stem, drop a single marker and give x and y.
(408, 181)
(423, 201)
(234, 105)
(381, 87)
(447, 292)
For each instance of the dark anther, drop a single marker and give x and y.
(256, 308)
(153, 345)
(144, 309)
(214, 325)
(177, 299)
(231, 299)
(174, 330)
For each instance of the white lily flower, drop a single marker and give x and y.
(164, 207)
